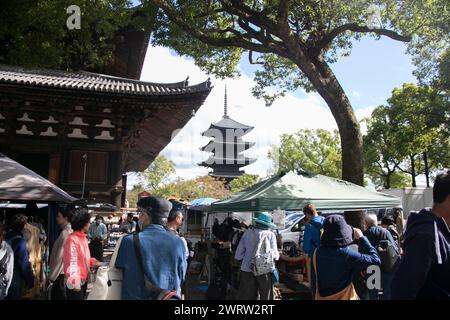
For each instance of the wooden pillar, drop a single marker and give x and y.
(124, 192)
(54, 168)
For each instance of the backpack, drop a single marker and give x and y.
(262, 261)
(152, 291)
(388, 255)
(3, 269)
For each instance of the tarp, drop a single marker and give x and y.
(202, 201)
(293, 190)
(20, 183)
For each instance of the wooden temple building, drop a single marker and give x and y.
(71, 127)
(227, 147)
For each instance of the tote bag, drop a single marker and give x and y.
(348, 293)
(108, 282)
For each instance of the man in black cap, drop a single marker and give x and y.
(162, 252)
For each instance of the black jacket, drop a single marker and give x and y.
(424, 272)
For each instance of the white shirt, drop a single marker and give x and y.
(56, 259)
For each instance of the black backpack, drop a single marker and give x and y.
(3, 269)
(388, 255)
(152, 291)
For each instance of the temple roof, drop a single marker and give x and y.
(93, 82)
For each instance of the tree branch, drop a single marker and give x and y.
(283, 10)
(250, 58)
(257, 18)
(234, 41)
(328, 38)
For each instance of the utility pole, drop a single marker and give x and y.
(84, 159)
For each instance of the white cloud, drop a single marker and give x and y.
(287, 115)
(356, 94)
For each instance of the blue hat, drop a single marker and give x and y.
(336, 232)
(265, 219)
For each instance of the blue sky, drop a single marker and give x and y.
(370, 73)
(368, 76)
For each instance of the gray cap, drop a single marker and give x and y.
(157, 206)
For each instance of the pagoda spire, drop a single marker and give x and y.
(225, 107)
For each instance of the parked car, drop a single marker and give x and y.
(293, 232)
(291, 218)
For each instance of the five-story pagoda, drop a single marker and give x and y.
(227, 147)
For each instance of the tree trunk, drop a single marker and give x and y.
(351, 139)
(427, 169)
(413, 171)
(357, 219)
(388, 181)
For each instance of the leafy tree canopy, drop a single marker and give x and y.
(35, 34)
(243, 182)
(414, 125)
(217, 33)
(317, 151)
(157, 174)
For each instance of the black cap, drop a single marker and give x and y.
(155, 205)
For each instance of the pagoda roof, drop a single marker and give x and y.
(94, 82)
(246, 144)
(227, 123)
(243, 162)
(226, 174)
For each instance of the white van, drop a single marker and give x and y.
(293, 232)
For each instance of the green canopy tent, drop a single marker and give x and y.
(293, 190)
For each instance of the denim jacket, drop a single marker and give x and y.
(164, 260)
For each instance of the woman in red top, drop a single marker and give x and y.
(77, 259)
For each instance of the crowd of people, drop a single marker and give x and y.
(414, 264)
(342, 257)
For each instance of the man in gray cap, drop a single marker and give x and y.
(162, 252)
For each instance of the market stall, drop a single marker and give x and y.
(292, 191)
(20, 185)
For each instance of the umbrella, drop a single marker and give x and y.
(20, 183)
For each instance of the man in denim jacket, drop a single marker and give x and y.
(163, 252)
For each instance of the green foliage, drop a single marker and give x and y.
(34, 33)
(201, 187)
(381, 156)
(317, 151)
(243, 182)
(157, 174)
(416, 121)
(132, 195)
(215, 33)
(419, 115)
